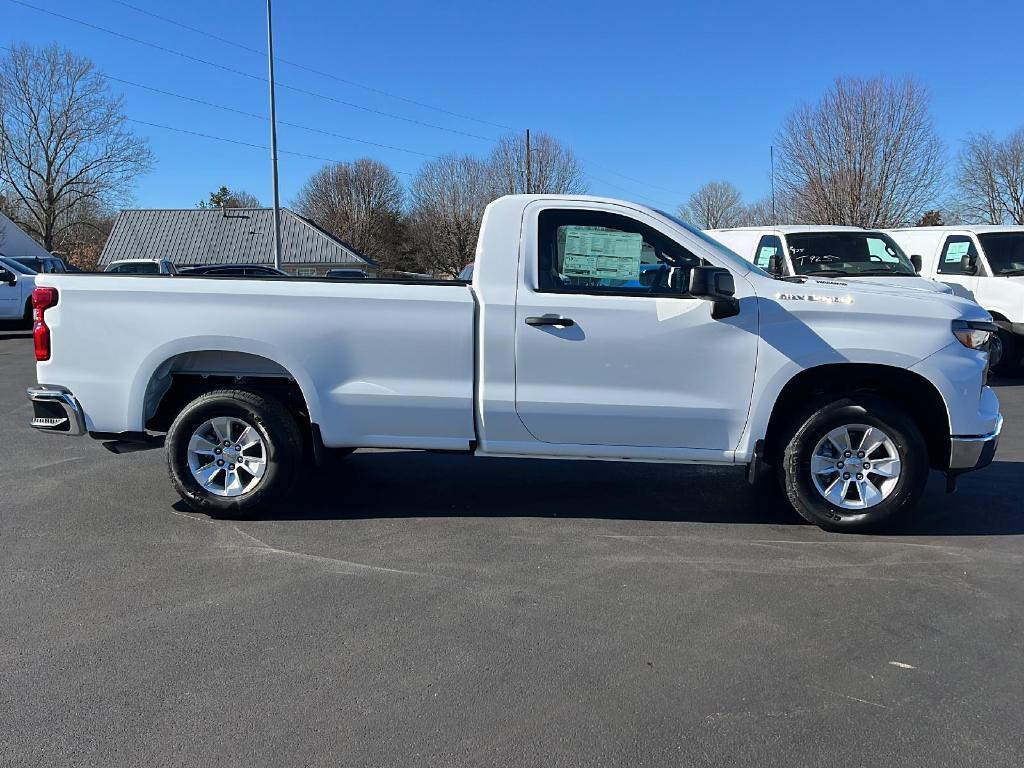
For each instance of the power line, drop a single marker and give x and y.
(635, 195)
(629, 178)
(250, 49)
(321, 73)
(241, 73)
(254, 115)
(235, 111)
(297, 89)
(241, 143)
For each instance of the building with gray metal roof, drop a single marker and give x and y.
(193, 236)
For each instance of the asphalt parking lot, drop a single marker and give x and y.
(415, 609)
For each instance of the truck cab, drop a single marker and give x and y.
(849, 253)
(984, 264)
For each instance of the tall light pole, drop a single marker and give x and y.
(273, 140)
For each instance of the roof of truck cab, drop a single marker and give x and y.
(796, 229)
(976, 228)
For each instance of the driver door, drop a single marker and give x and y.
(952, 269)
(611, 351)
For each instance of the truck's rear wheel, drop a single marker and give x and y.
(854, 463)
(233, 452)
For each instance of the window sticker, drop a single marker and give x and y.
(956, 251)
(763, 255)
(597, 253)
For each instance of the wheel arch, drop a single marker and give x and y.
(921, 400)
(170, 381)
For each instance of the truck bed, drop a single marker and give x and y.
(379, 362)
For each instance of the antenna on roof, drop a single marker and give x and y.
(273, 140)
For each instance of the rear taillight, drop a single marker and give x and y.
(42, 300)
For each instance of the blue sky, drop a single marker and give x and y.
(668, 94)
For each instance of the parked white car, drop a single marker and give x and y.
(141, 267)
(983, 263)
(845, 253)
(592, 329)
(16, 284)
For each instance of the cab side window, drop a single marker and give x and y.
(769, 245)
(604, 253)
(955, 254)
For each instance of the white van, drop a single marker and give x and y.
(982, 263)
(827, 251)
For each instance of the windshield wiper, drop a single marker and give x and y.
(885, 273)
(1011, 272)
(825, 272)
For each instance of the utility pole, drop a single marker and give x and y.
(529, 167)
(273, 139)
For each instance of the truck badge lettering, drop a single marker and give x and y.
(814, 297)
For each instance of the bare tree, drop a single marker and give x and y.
(360, 202)
(990, 179)
(866, 154)
(85, 238)
(448, 200)
(716, 204)
(231, 198)
(553, 170)
(63, 140)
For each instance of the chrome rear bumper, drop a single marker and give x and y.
(974, 451)
(56, 410)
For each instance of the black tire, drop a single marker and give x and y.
(26, 318)
(851, 409)
(275, 425)
(1005, 352)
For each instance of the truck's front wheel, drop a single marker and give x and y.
(233, 452)
(1004, 352)
(853, 463)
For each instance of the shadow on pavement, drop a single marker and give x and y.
(1007, 381)
(406, 484)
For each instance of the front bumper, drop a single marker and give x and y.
(56, 410)
(969, 452)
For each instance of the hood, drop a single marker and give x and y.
(908, 283)
(875, 295)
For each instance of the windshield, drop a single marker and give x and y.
(847, 253)
(1004, 251)
(737, 260)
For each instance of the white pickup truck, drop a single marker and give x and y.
(592, 329)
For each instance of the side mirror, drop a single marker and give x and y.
(774, 265)
(915, 259)
(6, 276)
(970, 264)
(717, 285)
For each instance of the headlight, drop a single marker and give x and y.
(973, 334)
